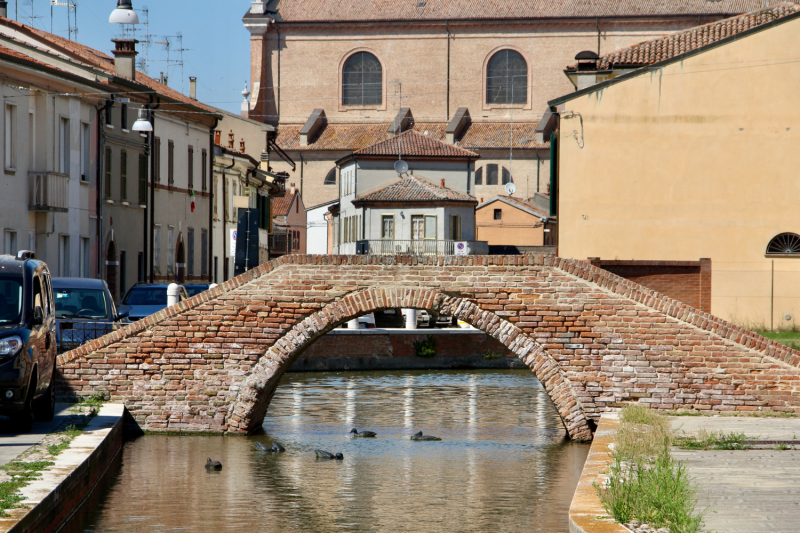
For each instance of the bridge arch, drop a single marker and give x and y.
(259, 387)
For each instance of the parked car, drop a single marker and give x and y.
(85, 311)
(144, 299)
(364, 322)
(27, 341)
(194, 289)
(424, 319)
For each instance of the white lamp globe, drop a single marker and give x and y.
(124, 14)
(142, 124)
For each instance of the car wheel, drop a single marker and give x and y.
(44, 408)
(23, 420)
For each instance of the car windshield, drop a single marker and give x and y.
(146, 296)
(80, 303)
(195, 289)
(10, 299)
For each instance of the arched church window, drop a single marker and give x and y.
(784, 244)
(507, 78)
(362, 80)
(330, 179)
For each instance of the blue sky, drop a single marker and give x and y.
(218, 45)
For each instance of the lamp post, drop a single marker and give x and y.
(124, 13)
(143, 125)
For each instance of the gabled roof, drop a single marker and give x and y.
(99, 60)
(676, 44)
(411, 188)
(281, 205)
(373, 10)
(413, 144)
(518, 203)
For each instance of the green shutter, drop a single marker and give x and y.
(142, 179)
(107, 177)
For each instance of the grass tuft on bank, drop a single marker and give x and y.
(714, 440)
(644, 482)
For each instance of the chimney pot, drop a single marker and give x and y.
(3, 9)
(241, 146)
(125, 58)
(217, 137)
(442, 182)
(231, 140)
(193, 87)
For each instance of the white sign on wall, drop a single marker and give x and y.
(461, 248)
(233, 242)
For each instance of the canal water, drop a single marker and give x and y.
(503, 463)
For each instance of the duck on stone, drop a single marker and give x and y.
(275, 448)
(322, 454)
(213, 465)
(358, 433)
(420, 436)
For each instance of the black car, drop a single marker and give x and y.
(27, 341)
(84, 311)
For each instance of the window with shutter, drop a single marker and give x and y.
(157, 248)
(204, 171)
(63, 256)
(191, 168)
(10, 136)
(170, 163)
(123, 176)
(204, 253)
(85, 153)
(142, 179)
(107, 177)
(479, 177)
(11, 243)
(190, 249)
(157, 155)
(64, 143)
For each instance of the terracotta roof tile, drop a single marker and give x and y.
(414, 144)
(282, 204)
(363, 10)
(344, 137)
(518, 202)
(413, 188)
(676, 44)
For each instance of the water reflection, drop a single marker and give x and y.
(503, 464)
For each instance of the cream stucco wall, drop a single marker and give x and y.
(515, 228)
(695, 159)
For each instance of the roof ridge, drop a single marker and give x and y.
(401, 189)
(420, 145)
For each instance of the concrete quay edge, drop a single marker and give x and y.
(51, 500)
(586, 512)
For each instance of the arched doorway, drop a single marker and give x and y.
(112, 266)
(258, 389)
(180, 261)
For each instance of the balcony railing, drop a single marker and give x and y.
(418, 247)
(48, 191)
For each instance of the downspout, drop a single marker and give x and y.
(278, 102)
(597, 25)
(302, 164)
(210, 186)
(553, 174)
(447, 28)
(538, 170)
(99, 188)
(152, 205)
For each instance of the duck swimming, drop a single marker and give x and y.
(322, 454)
(420, 436)
(357, 433)
(213, 465)
(276, 447)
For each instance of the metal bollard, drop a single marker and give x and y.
(173, 294)
(411, 318)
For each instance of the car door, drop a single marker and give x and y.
(48, 356)
(38, 339)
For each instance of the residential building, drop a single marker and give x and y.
(512, 225)
(659, 163)
(289, 224)
(468, 73)
(49, 148)
(319, 228)
(151, 193)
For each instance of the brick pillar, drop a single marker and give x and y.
(705, 284)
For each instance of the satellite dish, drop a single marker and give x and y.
(510, 188)
(401, 167)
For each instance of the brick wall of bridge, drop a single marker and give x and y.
(595, 340)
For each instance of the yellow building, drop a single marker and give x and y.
(512, 225)
(692, 152)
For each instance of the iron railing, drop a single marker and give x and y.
(47, 191)
(70, 335)
(409, 247)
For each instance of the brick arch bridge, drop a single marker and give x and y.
(595, 340)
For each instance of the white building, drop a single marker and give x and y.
(318, 230)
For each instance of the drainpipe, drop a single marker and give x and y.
(278, 98)
(447, 28)
(597, 24)
(538, 170)
(152, 205)
(210, 185)
(553, 174)
(99, 204)
(302, 164)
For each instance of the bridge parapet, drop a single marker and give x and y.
(595, 340)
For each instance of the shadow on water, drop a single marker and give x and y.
(503, 463)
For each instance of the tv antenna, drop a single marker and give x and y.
(72, 9)
(177, 62)
(32, 16)
(131, 30)
(400, 166)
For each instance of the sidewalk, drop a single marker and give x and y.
(12, 444)
(749, 491)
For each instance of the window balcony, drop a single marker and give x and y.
(48, 191)
(420, 247)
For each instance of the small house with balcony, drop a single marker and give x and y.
(430, 203)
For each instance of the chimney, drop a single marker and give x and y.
(442, 182)
(231, 140)
(241, 145)
(3, 9)
(125, 58)
(217, 137)
(292, 189)
(193, 87)
(264, 162)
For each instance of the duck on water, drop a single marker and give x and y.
(275, 448)
(420, 436)
(358, 433)
(322, 454)
(213, 465)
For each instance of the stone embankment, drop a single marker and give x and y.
(50, 501)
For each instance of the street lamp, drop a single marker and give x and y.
(142, 124)
(124, 14)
